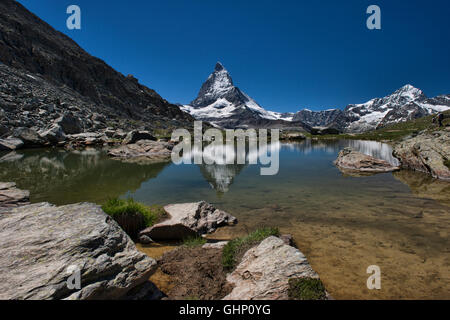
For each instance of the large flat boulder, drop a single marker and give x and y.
(427, 152)
(188, 220)
(349, 161)
(10, 196)
(265, 270)
(143, 151)
(40, 242)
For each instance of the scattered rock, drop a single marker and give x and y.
(69, 124)
(135, 136)
(189, 220)
(349, 161)
(10, 196)
(427, 152)
(143, 151)
(265, 270)
(215, 245)
(145, 239)
(53, 135)
(40, 242)
(29, 137)
(10, 144)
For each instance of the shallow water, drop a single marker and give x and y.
(343, 224)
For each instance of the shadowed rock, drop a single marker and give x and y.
(188, 220)
(40, 242)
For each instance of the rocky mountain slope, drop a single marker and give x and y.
(46, 75)
(225, 105)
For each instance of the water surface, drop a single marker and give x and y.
(343, 224)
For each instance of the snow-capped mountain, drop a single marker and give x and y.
(223, 104)
(405, 104)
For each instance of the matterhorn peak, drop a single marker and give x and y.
(219, 67)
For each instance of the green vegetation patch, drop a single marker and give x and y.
(193, 242)
(133, 216)
(235, 249)
(306, 289)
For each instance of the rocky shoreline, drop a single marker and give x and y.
(54, 241)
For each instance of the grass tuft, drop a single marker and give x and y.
(193, 242)
(235, 249)
(306, 289)
(133, 216)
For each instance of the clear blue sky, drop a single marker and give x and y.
(287, 55)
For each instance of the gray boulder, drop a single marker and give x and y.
(53, 135)
(10, 196)
(143, 151)
(135, 136)
(265, 270)
(188, 220)
(349, 161)
(29, 137)
(69, 124)
(41, 242)
(10, 144)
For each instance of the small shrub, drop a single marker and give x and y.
(235, 249)
(133, 216)
(306, 289)
(194, 242)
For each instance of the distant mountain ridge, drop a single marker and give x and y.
(225, 105)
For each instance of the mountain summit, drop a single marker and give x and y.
(225, 105)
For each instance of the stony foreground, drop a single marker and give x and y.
(427, 152)
(40, 242)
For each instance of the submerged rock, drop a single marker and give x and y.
(143, 151)
(427, 152)
(189, 220)
(265, 270)
(350, 161)
(10, 196)
(41, 242)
